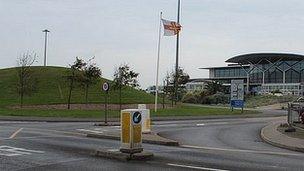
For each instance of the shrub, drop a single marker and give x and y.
(202, 97)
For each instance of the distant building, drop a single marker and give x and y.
(263, 72)
(195, 85)
(152, 89)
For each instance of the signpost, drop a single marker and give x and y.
(105, 88)
(237, 94)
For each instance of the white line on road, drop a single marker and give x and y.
(214, 123)
(194, 167)
(13, 151)
(15, 133)
(88, 130)
(242, 151)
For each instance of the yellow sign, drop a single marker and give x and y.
(125, 127)
(131, 131)
(137, 134)
(148, 124)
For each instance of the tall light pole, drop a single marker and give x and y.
(45, 43)
(177, 54)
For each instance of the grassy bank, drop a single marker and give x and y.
(52, 87)
(181, 110)
(264, 100)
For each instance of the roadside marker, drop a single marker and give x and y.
(194, 167)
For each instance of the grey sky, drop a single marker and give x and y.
(125, 31)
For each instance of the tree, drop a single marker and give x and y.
(168, 88)
(182, 79)
(213, 87)
(124, 76)
(75, 74)
(91, 73)
(26, 82)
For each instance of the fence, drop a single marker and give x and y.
(295, 109)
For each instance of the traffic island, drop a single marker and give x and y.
(150, 138)
(118, 155)
(272, 135)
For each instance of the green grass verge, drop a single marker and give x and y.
(264, 100)
(52, 87)
(185, 110)
(182, 110)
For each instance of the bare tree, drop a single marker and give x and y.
(124, 76)
(26, 82)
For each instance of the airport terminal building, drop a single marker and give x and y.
(263, 72)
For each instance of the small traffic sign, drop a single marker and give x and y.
(105, 86)
(136, 117)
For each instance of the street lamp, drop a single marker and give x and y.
(45, 43)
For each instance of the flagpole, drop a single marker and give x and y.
(177, 54)
(157, 63)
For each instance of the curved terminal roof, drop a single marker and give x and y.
(255, 58)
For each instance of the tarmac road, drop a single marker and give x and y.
(218, 144)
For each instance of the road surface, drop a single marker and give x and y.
(217, 144)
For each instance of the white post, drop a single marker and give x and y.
(157, 63)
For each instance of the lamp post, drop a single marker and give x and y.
(45, 43)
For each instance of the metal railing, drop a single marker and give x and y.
(295, 109)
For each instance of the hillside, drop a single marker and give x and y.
(51, 87)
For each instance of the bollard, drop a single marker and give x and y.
(131, 131)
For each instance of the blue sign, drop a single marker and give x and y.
(136, 117)
(237, 103)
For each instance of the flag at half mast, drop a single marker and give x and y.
(171, 28)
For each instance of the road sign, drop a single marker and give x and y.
(237, 93)
(131, 131)
(105, 86)
(136, 117)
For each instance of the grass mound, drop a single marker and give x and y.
(52, 87)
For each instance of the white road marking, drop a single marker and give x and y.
(98, 129)
(191, 124)
(13, 151)
(113, 150)
(20, 122)
(242, 151)
(15, 133)
(194, 167)
(88, 130)
(214, 123)
(219, 123)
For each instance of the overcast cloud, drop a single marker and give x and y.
(126, 31)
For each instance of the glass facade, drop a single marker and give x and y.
(288, 88)
(230, 72)
(274, 75)
(273, 72)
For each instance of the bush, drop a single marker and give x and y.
(202, 97)
(189, 98)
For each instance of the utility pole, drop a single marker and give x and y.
(45, 43)
(177, 52)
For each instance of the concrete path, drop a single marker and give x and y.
(271, 135)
